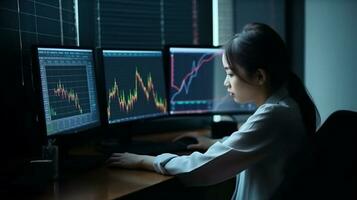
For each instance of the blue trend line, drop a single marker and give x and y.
(187, 86)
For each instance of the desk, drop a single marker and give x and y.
(103, 183)
(113, 183)
(107, 183)
(124, 184)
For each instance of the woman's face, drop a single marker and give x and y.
(240, 90)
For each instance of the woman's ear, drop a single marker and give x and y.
(261, 76)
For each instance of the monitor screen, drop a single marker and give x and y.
(68, 88)
(196, 82)
(135, 84)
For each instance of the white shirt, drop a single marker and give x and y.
(256, 154)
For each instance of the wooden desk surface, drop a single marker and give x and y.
(103, 183)
(116, 183)
(109, 183)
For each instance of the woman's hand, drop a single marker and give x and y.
(203, 142)
(131, 161)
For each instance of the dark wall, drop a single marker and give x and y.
(24, 24)
(271, 12)
(295, 35)
(285, 16)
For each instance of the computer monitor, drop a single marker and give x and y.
(68, 93)
(134, 84)
(196, 82)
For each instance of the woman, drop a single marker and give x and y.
(258, 154)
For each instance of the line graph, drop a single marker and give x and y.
(67, 91)
(192, 79)
(196, 85)
(185, 85)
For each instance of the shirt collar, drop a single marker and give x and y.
(278, 95)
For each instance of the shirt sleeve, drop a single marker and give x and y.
(223, 139)
(223, 160)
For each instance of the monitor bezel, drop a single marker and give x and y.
(40, 107)
(103, 86)
(208, 113)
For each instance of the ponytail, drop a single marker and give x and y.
(307, 107)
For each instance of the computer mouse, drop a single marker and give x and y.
(187, 141)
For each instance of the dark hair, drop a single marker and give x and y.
(259, 47)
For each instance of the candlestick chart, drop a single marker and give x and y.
(127, 100)
(67, 91)
(135, 87)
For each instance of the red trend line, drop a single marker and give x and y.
(172, 74)
(70, 95)
(126, 102)
(196, 68)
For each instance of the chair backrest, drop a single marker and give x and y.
(336, 139)
(336, 155)
(333, 174)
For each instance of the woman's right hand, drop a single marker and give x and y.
(203, 142)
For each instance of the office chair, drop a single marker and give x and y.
(333, 172)
(336, 156)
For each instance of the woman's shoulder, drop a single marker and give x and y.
(274, 109)
(278, 111)
(272, 119)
